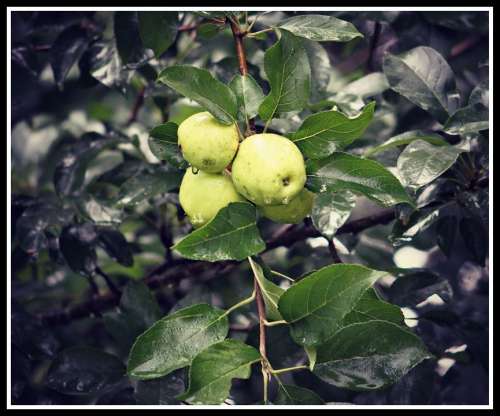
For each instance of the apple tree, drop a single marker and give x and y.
(243, 207)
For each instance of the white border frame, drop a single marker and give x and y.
(226, 407)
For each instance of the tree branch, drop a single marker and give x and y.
(180, 269)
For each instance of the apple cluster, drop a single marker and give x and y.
(265, 169)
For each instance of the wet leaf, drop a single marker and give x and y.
(173, 341)
(231, 235)
(370, 355)
(214, 368)
(115, 245)
(163, 144)
(84, 370)
(331, 210)
(158, 29)
(470, 119)
(249, 95)
(294, 395)
(77, 243)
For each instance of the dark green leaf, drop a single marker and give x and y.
(200, 86)
(413, 287)
(161, 391)
(407, 138)
(421, 162)
(69, 174)
(100, 212)
(158, 30)
(342, 171)
(106, 65)
(213, 369)
(128, 39)
(320, 28)
(231, 235)
(35, 220)
(163, 144)
(138, 311)
(323, 133)
(369, 355)
(294, 395)
(84, 370)
(331, 210)
(66, 51)
(404, 231)
(316, 305)
(270, 291)
(249, 95)
(287, 69)
(174, 341)
(115, 244)
(424, 77)
(475, 238)
(77, 243)
(147, 183)
(470, 119)
(446, 230)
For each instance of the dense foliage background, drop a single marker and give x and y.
(95, 212)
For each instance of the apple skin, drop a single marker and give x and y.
(203, 194)
(268, 169)
(206, 143)
(292, 213)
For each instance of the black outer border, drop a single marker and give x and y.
(355, 4)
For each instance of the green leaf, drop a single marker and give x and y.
(342, 171)
(270, 291)
(324, 133)
(321, 28)
(407, 138)
(419, 220)
(214, 368)
(128, 39)
(371, 308)
(161, 391)
(331, 210)
(77, 244)
(412, 287)
(137, 312)
(424, 77)
(421, 162)
(84, 370)
(115, 245)
(248, 93)
(287, 69)
(316, 305)
(200, 86)
(163, 144)
(470, 119)
(173, 341)
(158, 30)
(294, 395)
(231, 235)
(100, 212)
(147, 183)
(69, 175)
(321, 69)
(67, 49)
(369, 355)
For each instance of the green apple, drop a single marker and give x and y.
(292, 213)
(268, 169)
(206, 143)
(203, 194)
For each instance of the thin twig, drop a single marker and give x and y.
(261, 309)
(109, 282)
(242, 64)
(333, 251)
(139, 101)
